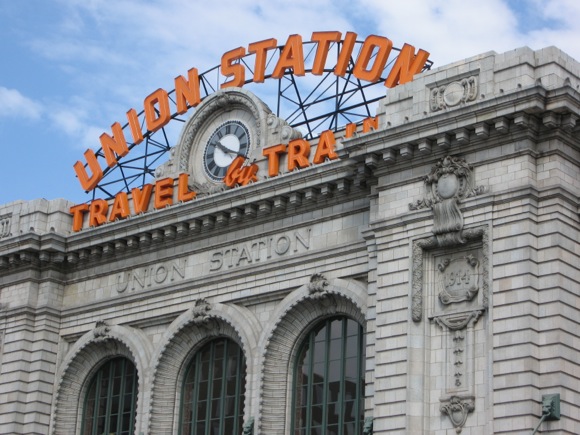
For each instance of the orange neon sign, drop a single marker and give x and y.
(165, 192)
(368, 66)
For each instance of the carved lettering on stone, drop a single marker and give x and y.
(458, 279)
(260, 250)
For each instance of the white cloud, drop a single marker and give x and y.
(452, 30)
(117, 52)
(75, 122)
(14, 104)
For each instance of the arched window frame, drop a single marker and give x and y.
(124, 389)
(239, 396)
(308, 340)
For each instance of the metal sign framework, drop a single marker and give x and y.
(311, 104)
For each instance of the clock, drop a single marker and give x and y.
(230, 140)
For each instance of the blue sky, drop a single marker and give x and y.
(70, 68)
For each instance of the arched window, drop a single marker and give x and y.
(111, 399)
(329, 380)
(214, 390)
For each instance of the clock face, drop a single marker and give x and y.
(228, 141)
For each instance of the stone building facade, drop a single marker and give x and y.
(449, 234)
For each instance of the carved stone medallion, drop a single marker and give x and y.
(458, 279)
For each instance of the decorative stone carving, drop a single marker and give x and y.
(458, 279)
(457, 408)
(458, 321)
(200, 313)
(249, 427)
(5, 224)
(280, 131)
(459, 329)
(450, 181)
(317, 286)
(368, 426)
(453, 94)
(417, 284)
(205, 189)
(101, 331)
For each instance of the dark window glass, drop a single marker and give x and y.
(329, 380)
(214, 390)
(111, 399)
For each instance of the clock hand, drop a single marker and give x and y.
(227, 150)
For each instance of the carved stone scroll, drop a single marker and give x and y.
(450, 181)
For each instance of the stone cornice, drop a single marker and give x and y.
(530, 110)
(250, 205)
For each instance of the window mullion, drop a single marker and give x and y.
(195, 394)
(326, 375)
(133, 402)
(121, 398)
(359, 384)
(239, 380)
(209, 389)
(222, 401)
(310, 390)
(97, 395)
(109, 398)
(341, 392)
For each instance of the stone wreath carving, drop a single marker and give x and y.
(453, 94)
(450, 181)
(457, 408)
